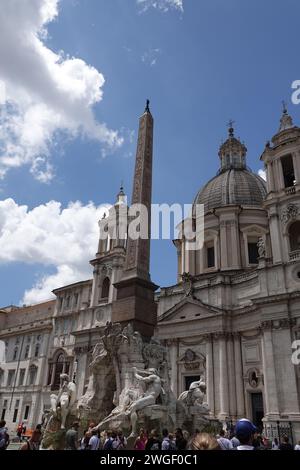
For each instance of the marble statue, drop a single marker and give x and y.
(64, 400)
(152, 380)
(261, 247)
(195, 395)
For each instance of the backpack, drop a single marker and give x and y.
(108, 445)
(121, 444)
(172, 445)
(155, 446)
(4, 439)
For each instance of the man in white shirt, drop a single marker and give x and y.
(244, 431)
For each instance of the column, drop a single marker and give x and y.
(223, 242)
(296, 162)
(95, 288)
(224, 408)
(236, 262)
(289, 396)
(231, 377)
(275, 231)
(270, 177)
(270, 385)
(183, 254)
(82, 357)
(210, 375)
(53, 373)
(239, 382)
(279, 176)
(172, 346)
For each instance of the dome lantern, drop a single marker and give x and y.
(232, 152)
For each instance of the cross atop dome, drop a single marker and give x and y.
(230, 127)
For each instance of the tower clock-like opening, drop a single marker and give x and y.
(288, 171)
(294, 235)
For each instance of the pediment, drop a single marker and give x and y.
(189, 308)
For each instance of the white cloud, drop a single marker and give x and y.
(64, 238)
(150, 57)
(262, 174)
(43, 94)
(164, 5)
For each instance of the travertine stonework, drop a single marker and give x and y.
(231, 318)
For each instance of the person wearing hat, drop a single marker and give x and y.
(244, 431)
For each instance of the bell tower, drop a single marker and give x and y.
(281, 158)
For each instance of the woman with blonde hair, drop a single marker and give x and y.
(203, 441)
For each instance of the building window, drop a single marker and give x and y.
(28, 339)
(50, 374)
(18, 340)
(253, 252)
(4, 409)
(16, 411)
(26, 412)
(294, 236)
(26, 353)
(210, 253)
(60, 303)
(105, 288)
(68, 301)
(15, 355)
(32, 375)
(59, 366)
(37, 350)
(288, 171)
(10, 377)
(21, 376)
(76, 296)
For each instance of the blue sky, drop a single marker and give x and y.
(200, 66)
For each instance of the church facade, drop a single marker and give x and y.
(232, 316)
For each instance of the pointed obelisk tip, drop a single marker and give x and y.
(147, 109)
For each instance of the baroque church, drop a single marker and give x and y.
(232, 316)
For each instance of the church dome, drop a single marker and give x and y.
(235, 183)
(232, 186)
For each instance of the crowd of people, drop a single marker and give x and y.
(245, 437)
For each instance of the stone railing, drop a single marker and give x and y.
(294, 255)
(290, 190)
(244, 277)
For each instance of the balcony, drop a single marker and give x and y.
(294, 255)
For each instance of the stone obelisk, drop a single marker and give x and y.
(135, 292)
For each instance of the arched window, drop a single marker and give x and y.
(105, 288)
(294, 235)
(37, 350)
(32, 375)
(15, 353)
(59, 366)
(26, 353)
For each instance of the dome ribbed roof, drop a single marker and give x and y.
(233, 186)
